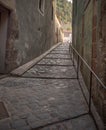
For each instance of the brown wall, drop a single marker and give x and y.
(29, 33)
(89, 38)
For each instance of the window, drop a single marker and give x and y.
(42, 6)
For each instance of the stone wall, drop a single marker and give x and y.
(29, 32)
(58, 31)
(89, 38)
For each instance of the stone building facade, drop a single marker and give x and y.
(89, 38)
(27, 30)
(58, 31)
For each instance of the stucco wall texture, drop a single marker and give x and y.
(35, 30)
(89, 38)
(29, 32)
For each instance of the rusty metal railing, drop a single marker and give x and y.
(92, 73)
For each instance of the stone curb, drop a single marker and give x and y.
(22, 69)
(3, 76)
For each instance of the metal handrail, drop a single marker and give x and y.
(91, 74)
(89, 68)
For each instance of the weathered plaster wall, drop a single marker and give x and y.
(29, 32)
(35, 30)
(82, 30)
(58, 31)
(89, 38)
(9, 5)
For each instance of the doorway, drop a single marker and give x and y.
(4, 14)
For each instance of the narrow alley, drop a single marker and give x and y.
(46, 97)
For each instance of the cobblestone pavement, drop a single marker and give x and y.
(46, 97)
(56, 62)
(51, 72)
(61, 56)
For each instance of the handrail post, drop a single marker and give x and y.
(90, 93)
(73, 56)
(70, 51)
(78, 68)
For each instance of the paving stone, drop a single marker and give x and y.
(24, 128)
(60, 51)
(54, 62)
(57, 97)
(51, 72)
(81, 123)
(32, 118)
(5, 125)
(58, 56)
(19, 123)
(34, 102)
(37, 124)
(63, 47)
